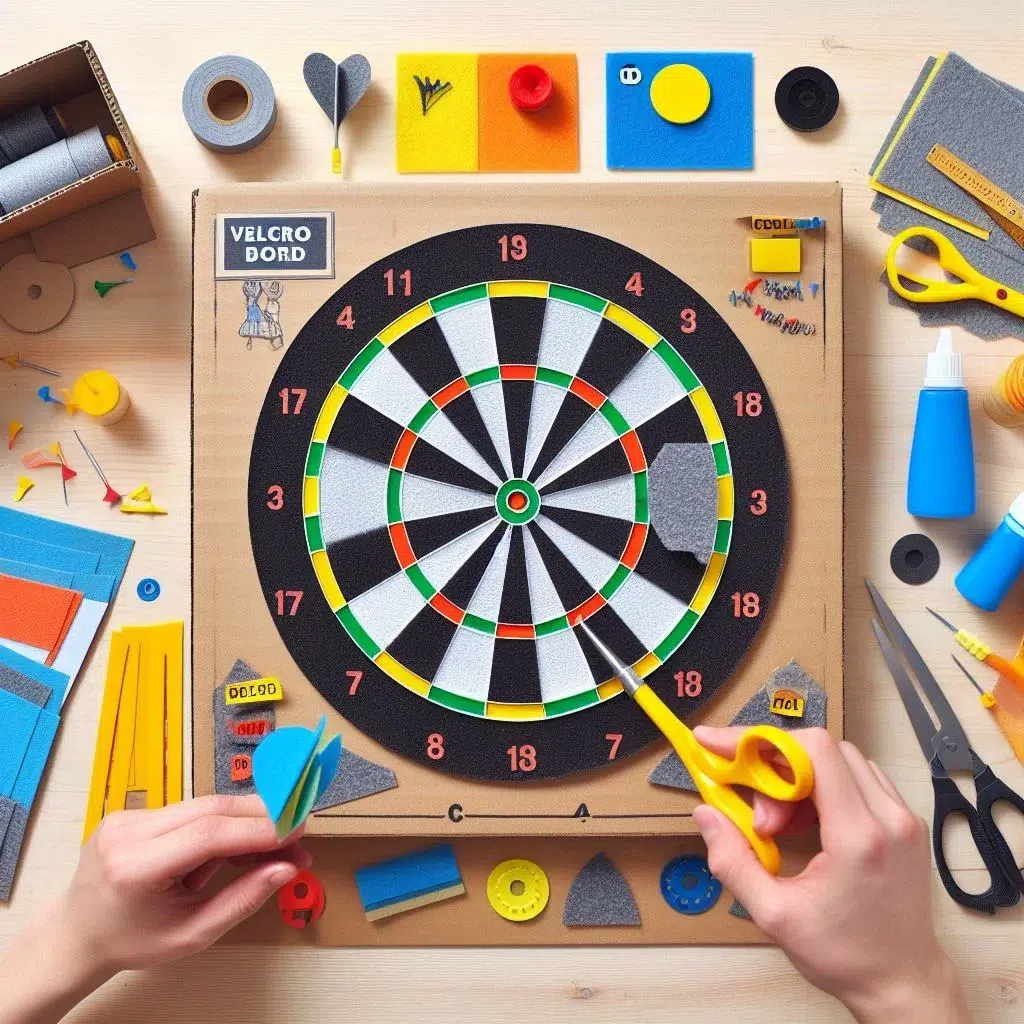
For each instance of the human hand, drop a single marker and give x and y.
(856, 922)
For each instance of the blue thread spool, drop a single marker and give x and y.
(688, 886)
(148, 589)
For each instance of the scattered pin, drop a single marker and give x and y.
(48, 396)
(14, 361)
(14, 428)
(38, 459)
(126, 259)
(141, 493)
(102, 287)
(111, 497)
(66, 472)
(814, 290)
(24, 486)
(988, 700)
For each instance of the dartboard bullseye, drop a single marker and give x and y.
(467, 474)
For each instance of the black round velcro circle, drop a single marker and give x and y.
(807, 99)
(914, 559)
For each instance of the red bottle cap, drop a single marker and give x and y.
(530, 87)
(302, 901)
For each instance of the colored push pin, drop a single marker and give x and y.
(24, 486)
(102, 287)
(141, 493)
(530, 87)
(126, 259)
(14, 360)
(680, 93)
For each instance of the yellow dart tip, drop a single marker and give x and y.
(336, 160)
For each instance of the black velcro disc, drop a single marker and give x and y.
(806, 99)
(914, 559)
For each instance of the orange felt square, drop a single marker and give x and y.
(511, 139)
(34, 613)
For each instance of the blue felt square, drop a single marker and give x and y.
(18, 720)
(639, 139)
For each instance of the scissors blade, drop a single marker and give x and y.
(949, 742)
(630, 680)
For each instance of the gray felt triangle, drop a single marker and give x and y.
(671, 772)
(738, 910)
(599, 897)
(356, 777)
(352, 76)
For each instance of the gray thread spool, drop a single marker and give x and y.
(50, 169)
(29, 131)
(251, 126)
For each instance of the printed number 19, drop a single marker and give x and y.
(512, 248)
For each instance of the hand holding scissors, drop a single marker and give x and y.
(716, 775)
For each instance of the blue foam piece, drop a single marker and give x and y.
(639, 139)
(51, 556)
(278, 763)
(34, 763)
(113, 551)
(404, 878)
(37, 573)
(18, 719)
(56, 681)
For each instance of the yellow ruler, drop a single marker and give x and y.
(1003, 208)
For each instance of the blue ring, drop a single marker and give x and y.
(148, 589)
(688, 886)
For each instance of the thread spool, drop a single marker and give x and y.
(99, 394)
(29, 131)
(1004, 402)
(229, 104)
(47, 170)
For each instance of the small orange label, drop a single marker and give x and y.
(241, 768)
(788, 703)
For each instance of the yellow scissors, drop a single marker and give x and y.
(714, 774)
(972, 284)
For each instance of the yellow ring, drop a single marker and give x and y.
(680, 93)
(518, 906)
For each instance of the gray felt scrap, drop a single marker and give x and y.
(355, 778)
(671, 772)
(226, 743)
(11, 849)
(684, 499)
(352, 76)
(738, 910)
(24, 686)
(600, 897)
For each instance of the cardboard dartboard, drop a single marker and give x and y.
(471, 424)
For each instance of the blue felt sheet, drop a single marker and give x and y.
(403, 878)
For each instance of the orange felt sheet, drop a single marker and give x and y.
(36, 614)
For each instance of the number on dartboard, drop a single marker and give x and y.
(355, 676)
(346, 319)
(759, 502)
(688, 321)
(746, 606)
(288, 601)
(748, 403)
(512, 248)
(614, 738)
(689, 683)
(275, 497)
(522, 759)
(404, 280)
(292, 400)
(635, 284)
(435, 746)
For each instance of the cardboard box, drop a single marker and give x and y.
(95, 216)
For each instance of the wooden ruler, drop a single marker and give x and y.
(1002, 207)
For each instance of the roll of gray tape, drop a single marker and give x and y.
(49, 169)
(229, 134)
(29, 131)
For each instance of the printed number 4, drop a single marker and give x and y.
(346, 319)
(294, 596)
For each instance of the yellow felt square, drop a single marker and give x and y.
(436, 112)
(775, 255)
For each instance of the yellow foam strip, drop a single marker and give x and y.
(117, 661)
(124, 735)
(415, 901)
(405, 323)
(329, 412)
(311, 496)
(708, 414)
(401, 674)
(609, 688)
(646, 665)
(708, 585)
(514, 712)
(175, 711)
(507, 289)
(632, 325)
(726, 498)
(154, 650)
(329, 585)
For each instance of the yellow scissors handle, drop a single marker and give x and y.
(716, 775)
(972, 284)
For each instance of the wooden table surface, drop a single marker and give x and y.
(873, 49)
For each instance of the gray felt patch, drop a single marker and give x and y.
(684, 499)
(738, 910)
(355, 778)
(24, 686)
(11, 849)
(600, 897)
(671, 772)
(7, 806)
(353, 79)
(228, 744)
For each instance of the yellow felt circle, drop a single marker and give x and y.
(680, 93)
(518, 890)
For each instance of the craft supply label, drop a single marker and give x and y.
(295, 245)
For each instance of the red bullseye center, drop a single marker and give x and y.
(517, 501)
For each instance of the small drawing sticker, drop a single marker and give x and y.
(262, 313)
(431, 91)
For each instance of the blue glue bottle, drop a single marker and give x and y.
(940, 484)
(987, 577)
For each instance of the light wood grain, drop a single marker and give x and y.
(873, 49)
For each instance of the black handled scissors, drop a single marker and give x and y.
(947, 749)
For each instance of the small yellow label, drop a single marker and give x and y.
(256, 691)
(788, 703)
